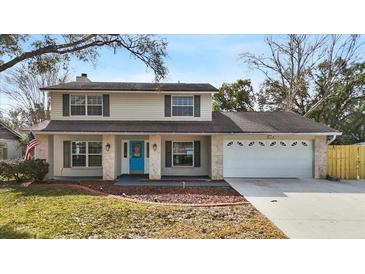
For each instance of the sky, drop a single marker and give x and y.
(210, 59)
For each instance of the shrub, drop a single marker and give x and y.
(35, 170)
(10, 170)
(19, 170)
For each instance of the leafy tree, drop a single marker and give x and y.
(43, 52)
(345, 108)
(237, 96)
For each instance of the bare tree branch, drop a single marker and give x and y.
(146, 48)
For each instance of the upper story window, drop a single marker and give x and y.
(182, 105)
(91, 105)
(78, 105)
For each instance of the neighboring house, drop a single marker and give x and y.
(107, 129)
(9, 148)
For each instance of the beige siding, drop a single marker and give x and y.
(58, 169)
(127, 106)
(203, 170)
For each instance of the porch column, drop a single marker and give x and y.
(320, 157)
(155, 157)
(41, 151)
(216, 157)
(109, 157)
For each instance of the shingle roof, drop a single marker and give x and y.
(9, 129)
(222, 122)
(275, 122)
(130, 86)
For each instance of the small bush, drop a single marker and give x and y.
(11, 170)
(19, 170)
(36, 169)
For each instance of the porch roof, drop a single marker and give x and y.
(222, 122)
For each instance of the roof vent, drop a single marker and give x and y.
(83, 78)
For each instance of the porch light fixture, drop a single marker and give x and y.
(107, 147)
(154, 147)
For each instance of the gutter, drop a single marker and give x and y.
(127, 91)
(183, 133)
(333, 138)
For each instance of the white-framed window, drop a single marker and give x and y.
(94, 156)
(183, 154)
(78, 105)
(89, 105)
(182, 106)
(86, 154)
(94, 105)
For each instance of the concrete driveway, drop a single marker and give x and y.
(308, 208)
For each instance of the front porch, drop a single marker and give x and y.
(154, 157)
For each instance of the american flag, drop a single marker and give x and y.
(32, 143)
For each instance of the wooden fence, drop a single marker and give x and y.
(346, 161)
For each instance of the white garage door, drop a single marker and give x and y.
(268, 158)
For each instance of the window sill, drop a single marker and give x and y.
(85, 167)
(81, 116)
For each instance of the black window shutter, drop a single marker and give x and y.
(148, 150)
(66, 104)
(168, 153)
(106, 105)
(167, 105)
(196, 105)
(125, 150)
(196, 153)
(66, 154)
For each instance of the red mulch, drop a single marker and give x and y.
(169, 194)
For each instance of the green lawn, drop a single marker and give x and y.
(50, 212)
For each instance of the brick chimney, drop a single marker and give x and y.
(83, 78)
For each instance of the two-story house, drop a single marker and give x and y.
(105, 129)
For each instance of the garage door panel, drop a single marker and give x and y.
(267, 158)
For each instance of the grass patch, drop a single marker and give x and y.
(54, 212)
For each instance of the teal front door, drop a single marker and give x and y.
(136, 157)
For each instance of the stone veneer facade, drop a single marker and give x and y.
(155, 157)
(216, 157)
(109, 158)
(320, 157)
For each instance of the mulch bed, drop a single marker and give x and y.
(166, 194)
